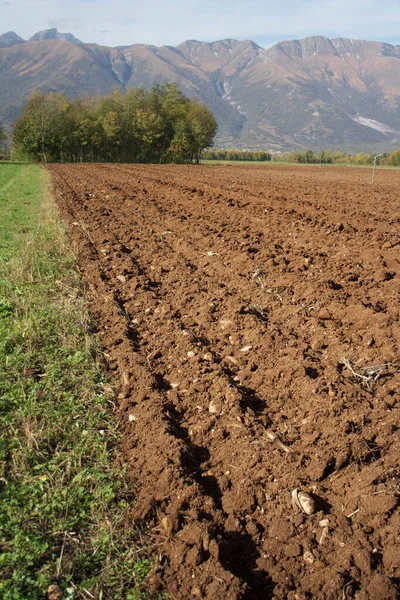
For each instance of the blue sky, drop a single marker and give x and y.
(123, 22)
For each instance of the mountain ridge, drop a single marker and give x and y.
(54, 34)
(318, 92)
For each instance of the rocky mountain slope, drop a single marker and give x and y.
(54, 34)
(9, 39)
(315, 92)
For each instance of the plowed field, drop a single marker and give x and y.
(236, 304)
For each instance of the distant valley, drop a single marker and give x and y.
(311, 93)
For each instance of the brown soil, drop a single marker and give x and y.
(226, 299)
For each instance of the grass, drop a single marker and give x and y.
(63, 502)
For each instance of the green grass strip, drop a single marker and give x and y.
(63, 502)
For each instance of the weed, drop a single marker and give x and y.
(366, 376)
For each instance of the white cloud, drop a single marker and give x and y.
(159, 22)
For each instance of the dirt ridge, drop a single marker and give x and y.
(226, 299)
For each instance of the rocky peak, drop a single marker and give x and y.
(10, 38)
(358, 48)
(54, 34)
(213, 56)
(310, 46)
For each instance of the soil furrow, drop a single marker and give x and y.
(225, 301)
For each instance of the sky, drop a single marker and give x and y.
(158, 22)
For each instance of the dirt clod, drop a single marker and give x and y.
(209, 483)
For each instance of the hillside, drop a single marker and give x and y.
(316, 92)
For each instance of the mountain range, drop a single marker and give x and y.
(316, 92)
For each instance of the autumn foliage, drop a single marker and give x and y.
(160, 125)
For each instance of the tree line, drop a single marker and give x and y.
(328, 157)
(232, 154)
(159, 125)
(3, 138)
(325, 157)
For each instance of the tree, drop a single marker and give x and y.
(3, 143)
(203, 128)
(394, 158)
(308, 156)
(3, 136)
(147, 126)
(41, 128)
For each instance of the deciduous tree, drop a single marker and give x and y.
(148, 126)
(3, 136)
(41, 129)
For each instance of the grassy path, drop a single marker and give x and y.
(63, 506)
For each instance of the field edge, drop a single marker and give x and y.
(63, 498)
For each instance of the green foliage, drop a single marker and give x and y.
(159, 125)
(63, 505)
(394, 159)
(236, 155)
(3, 135)
(43, 127)
(327, 157)
(4, 153)
(322, 157)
